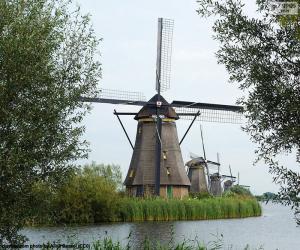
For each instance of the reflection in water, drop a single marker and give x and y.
(154, 231)
(276, 229)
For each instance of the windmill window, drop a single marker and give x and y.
(165, 155)
(168, 172)
(131, 173)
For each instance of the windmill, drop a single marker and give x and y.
(230, 180)
(197, 173)
(156, 166)
(201, 181)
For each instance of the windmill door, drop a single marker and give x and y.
(170, 192)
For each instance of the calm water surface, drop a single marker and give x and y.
(275, 229)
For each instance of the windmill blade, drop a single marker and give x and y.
(230, 171)
(164, 52)
(203, 147)
(204, 155)
(209, 112)
(201, 105)
(114, 96)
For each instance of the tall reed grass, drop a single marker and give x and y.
(190, 209)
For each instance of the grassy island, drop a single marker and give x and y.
(93, 195)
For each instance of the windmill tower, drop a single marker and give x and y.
(156, 166)
(197, 175)
(143, 172)
(230, 180)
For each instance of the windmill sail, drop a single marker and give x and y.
(209, 112)
(121, 95)
(164, 52)
(114, 96)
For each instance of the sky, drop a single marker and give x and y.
(128, 57)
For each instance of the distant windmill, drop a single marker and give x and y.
(197, 173)
(157, 166)
(229, 180)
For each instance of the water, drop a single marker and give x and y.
(275, 229)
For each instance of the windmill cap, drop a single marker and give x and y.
(195, 162)
(150, 109)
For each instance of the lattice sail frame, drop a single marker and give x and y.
(211, 115)
(121, 95)
(165, 53)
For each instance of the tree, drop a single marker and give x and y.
(112, 173)
(47, 61)
(89, 195)
(286, 19)
(262, 55)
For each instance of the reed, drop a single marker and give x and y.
(131, 209)
(107, 243)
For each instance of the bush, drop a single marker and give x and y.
(87, 196)
(86, 199)
(239, 190)
(203, 195)
(229, 193)
(110, 172)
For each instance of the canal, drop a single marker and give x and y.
(275, 229)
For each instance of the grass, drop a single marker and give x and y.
(189, 209)
(107, 243)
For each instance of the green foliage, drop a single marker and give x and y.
(269, 196)
(111, 173)
(47, 60)
(88, 196)
(200, 195)
(291, 21)
(189, 209)
(107, 243)
(240, 190)
(228, 193)
(86, 199)
(262, 55)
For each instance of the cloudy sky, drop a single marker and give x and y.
(128, 57)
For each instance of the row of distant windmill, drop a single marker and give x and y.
(156, 166)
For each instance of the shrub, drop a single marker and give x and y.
(86, 199)
(240, 190)
(203, 195)
(87, 196)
